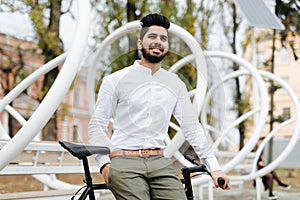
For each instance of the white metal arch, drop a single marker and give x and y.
(71, 65)
(254, 174)
(135, 25)
(4, 103)
(56, 92)
(293, 141)
(179, 139)
(176, 30)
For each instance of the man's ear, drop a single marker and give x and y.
(139, 44)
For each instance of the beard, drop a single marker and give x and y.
(152, 58)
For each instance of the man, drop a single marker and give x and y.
(141, 99)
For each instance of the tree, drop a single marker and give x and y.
(113, 16)
(289, 13)
(230, 30)
(194, 16)
(45, 17)
(12, 69)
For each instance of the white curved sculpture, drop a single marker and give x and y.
(55, 94)
(270, 167)
(4, 103)
(135, 25)
(71, 65)
(263, 108)
(177, 141)
(293, 141)
(263, 112)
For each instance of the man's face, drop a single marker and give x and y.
(155, 44)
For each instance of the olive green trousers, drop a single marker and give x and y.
(144, 178)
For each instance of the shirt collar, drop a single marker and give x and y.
(143, 68)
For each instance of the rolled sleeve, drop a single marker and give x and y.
(193, 131)
(102, 160)
(98, 125)
(211, 163)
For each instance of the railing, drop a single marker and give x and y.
(44, 158)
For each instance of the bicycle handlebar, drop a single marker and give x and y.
(221, 181)
(200, 168)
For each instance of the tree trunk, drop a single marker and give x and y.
(131, 16)
(238, 95)
(51, 48)
(271, 112)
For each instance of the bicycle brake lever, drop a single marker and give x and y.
(190, 158)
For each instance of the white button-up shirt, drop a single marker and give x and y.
(141, 104)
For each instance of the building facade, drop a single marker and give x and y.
(72, 115)
(286, 67)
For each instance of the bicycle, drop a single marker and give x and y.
(82, 151)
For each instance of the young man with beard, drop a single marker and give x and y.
(141, 99)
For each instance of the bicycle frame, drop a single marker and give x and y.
(90, 187)
(186, 173)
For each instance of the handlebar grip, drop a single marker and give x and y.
(191, 159)
(221, 181)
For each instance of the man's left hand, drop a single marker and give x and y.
(219, 174)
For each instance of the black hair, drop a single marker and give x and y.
(153, 19)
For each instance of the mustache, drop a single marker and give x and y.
(156, 46)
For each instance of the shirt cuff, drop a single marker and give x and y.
(102, 160)
(211, 163)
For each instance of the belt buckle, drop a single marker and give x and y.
(141, 152)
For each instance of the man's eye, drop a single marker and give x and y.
(164, 39)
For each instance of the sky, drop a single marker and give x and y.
(19, 25)
(16, 24)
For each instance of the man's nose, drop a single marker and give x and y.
(157, 40)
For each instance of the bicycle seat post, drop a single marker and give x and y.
(88, 178)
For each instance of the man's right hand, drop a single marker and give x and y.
(105, 171)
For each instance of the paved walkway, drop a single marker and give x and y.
(241, 193)
(249, 193)
(245, 192)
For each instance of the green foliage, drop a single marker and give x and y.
(113, 15)
(64, 110)
(21, 75)
(289, 13)
(122, 61)
(195, 17)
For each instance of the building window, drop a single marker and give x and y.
(260, 58)
(284, 56)
(78, 96)
(286, 113)
(286, 79)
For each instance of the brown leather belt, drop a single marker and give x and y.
(140, 153)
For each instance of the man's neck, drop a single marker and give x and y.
(153, 66)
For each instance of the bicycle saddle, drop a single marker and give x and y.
(81, 151)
